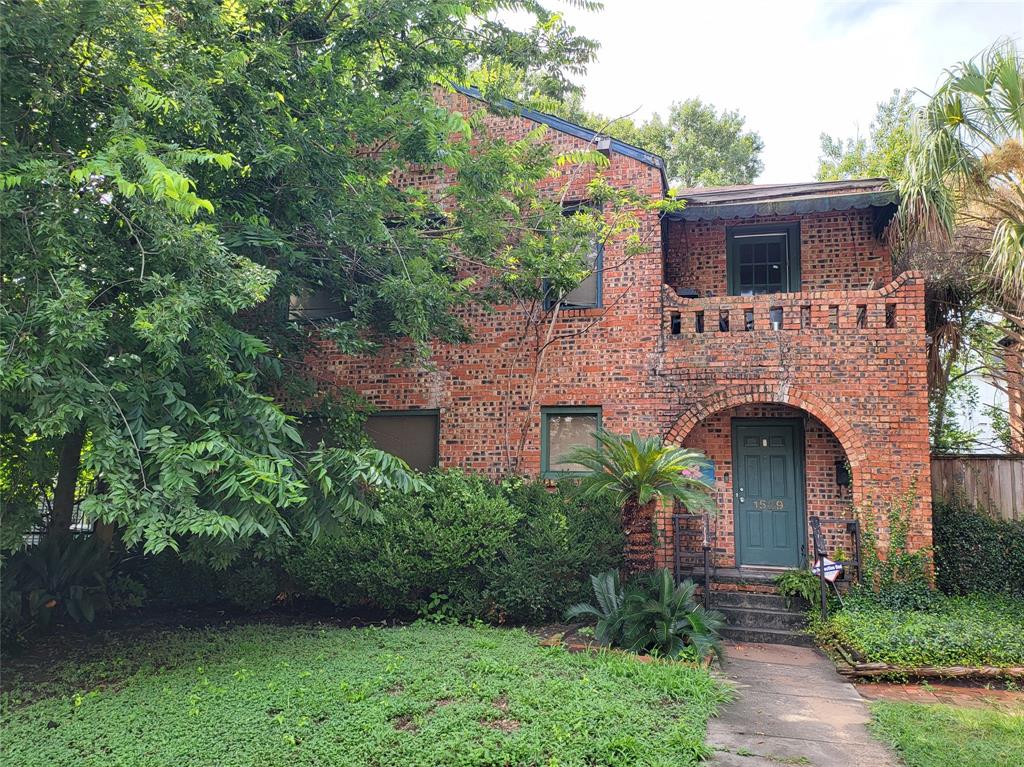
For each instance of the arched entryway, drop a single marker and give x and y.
(778, 458)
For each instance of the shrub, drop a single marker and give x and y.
(558, 539)
(652, 614)
(251, 587)
(470, 548)
(976, 553)
(60, 577)
(970, 631)
(247, 583)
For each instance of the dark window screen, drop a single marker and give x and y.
(319, 304)
(761, 264)
(410, 436)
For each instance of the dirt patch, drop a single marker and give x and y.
(500, 703)
(395, 689)
(404, 724)
(505, 725)
(567, 635)
(442, 702)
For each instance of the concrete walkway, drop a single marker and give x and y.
(791, 708)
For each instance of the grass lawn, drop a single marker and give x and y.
(935, 735)
(418, 695)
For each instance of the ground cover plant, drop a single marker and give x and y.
(416, 695)
(937, 735)
(975, 630)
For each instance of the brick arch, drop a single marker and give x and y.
(781, 394)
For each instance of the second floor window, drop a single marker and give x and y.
(763, 259)
(588, 293)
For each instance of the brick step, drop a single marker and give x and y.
(760, 618)
(767, 636)
(752, 599)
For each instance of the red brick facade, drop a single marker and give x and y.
(849, 357)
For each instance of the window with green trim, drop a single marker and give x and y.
(563, 429)
(763, 259)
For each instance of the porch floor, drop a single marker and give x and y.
(791, 707)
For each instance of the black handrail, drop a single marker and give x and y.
(706, 548)
(818, 538)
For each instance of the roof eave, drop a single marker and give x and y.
(783, 207)
(572, 129)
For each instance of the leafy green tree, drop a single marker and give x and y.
(700, 145)
(637, 472)
(879, 155)
(172, 173)
(703, 147)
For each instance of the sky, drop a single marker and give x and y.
(793, 69)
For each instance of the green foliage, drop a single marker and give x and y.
(974, 630)
(965, 167)
(468, 549)
(173, 172)
(975, 552)
(249, 582)
(663, 617)
(701, 146)
(610, 610)
(641, 469)
(252, 588)
(879, 155)
(652, 614)
(413, 696)
(799, 583)
(60, 577)
(125, 593)
(557, 539)
(937, 735)
(899, 577)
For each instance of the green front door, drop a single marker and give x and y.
(768, 482)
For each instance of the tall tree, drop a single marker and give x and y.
(881, 154)
(172, 172)
(962, 187)
(700, 145)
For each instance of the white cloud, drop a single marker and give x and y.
(794, 69)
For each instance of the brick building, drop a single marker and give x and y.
(762, 325)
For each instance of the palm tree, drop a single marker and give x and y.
(962, 192)
(638, 472)
(966, 167)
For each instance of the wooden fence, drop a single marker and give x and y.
(993, 482)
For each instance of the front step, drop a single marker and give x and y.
(756, 617)
(768, 636)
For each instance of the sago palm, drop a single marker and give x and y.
(637, 472)
(663, 615)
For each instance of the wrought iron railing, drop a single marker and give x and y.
(693, 538)
(853, 565)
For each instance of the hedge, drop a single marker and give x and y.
(470, 548)
(976, 553)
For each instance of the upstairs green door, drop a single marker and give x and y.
(768, 481)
